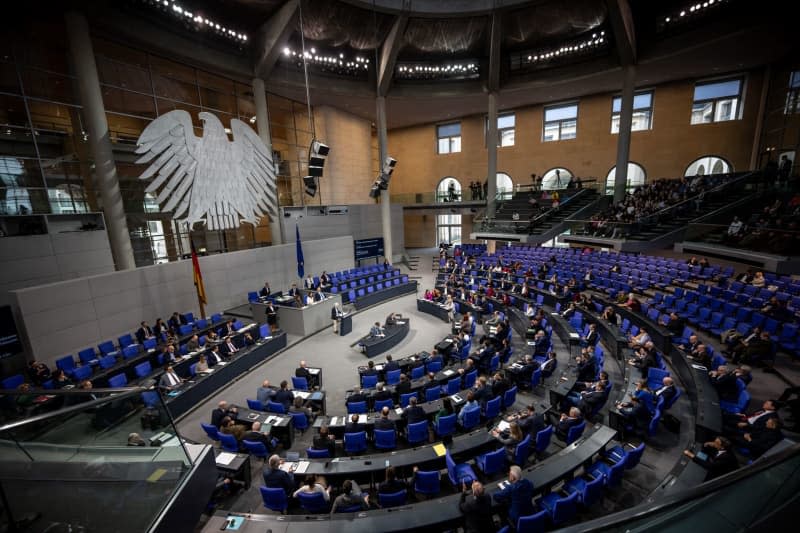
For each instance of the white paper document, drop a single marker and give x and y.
(225, 458)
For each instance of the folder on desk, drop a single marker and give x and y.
(439, 449)
(302, 466)
(362, 419)
(456, 398)
(316, 396)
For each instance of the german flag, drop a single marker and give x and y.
(198, 276)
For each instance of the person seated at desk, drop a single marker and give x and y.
(693, 344)
(499, 384)
(325, 279)
(667, 390)
(168, 354)
(293, 290)
(229, 328)
(144, 332)
(160, 328)
(432, 383)
(317, 296)
(509, 438)
(701, 356)
(404, 387)
(716, 457)
(255, 435)
(324, 441)
(393, 319)
(299, 407)
(645, 358)
(759, 441)
(413, 413)
(586, 365)
(275, 478)
(469, 406)
(221, 412)
(202, 365)
(482, 392)
(214, 356)
(446, 409)
(175, 321)
(609, 315)
(737, 344)
(284, 396)
(229, 347)
(383, 422)
(265, 290)
(759, 350)
(517, 496)
(724, 380)
(229, 427)
(433, 357)
(370, 370)
(569, 311)
(636, 415)
(638, 340)
(743, 423)
(297, 301)
(674, 324)
(529, 422)
(592, 337)
(350, 496)
(566, 421)
(314, 485)
(381, 393)
(483, 355)
(358, 395)
(169, 380)
(212, 337)
(193, 344)
(60, 379)
(390, 365)
(391, 484)
(353, 426)
(38, 372)
(377, 331)
(303, 371)
(540, 343)
(590, 399)
(632, 303)
(308, 283)
(522, 370)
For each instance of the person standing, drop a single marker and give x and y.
(476, 507)
(336, 316)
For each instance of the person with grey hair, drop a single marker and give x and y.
(516, 495)
(476, 506)
(274, 477)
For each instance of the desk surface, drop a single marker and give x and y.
(393, 335)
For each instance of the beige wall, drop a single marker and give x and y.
(664, 151)
(349, 169)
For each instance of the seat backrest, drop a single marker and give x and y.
(575, 432)
(380, 404)
(522, 451)
(453, 386)
(13, 382)
(494, 461)
(82, 372)
(107, 361)
(368, 382)
(210, 430)
(300, 421)
(385, 439)
(510, 397)
(634, 456)
(534, 523)
(312, 502)
(255, 405)
(471, 419)
(356, 407)
(493, 407)
(393, 377)
(66, 363)
(427, 482)
(446, 424)
(565, 508)
(119, 380)
(274, 498)
(317, 454)
(143, 369)
(255, 448)
(592, 491)
(299, 383)
(106, 347)
(469, 379)
(405, 398)
(417, 372)
(275, 407)
(393, 499)
(433, 393)
(417, 432)
(543, 439)
(355, 442)
(229, 443)
(87, 355)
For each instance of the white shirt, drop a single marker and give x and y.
(173, 379)
(752, 420)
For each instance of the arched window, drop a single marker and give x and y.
(708, 164)
(636, 177)
(448, 190)
(556, 178)
(505, 186)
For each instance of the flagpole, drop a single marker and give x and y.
(200, 303)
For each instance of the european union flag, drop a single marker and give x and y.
(300, 268)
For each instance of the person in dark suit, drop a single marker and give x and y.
(293, 290)
(636, 415)
(433, 357)
(214, 356)
(529, 422)
(404, 387)
(482, 392)
(229, 347)
(391, 484)
(272, 315)
(175, 321)
(414, 413)
(144, 332)
(324, 441)
(229, 329)
(592, 337)
(160, 328)
(645, 358)
(522, 370)
(566, 421)
(318, 295)
(284, 396)
(221, 412)
(587, 367)
(358, 395)
(383, 423)
(431, 383)
(390, 364)
(717, 458)
(517, 495)
(758, 420)
(353, 426)
(667, 390)
(274, 477)
(265, 290)
(724, 380)
(674, 324)
(370, 370)
(593, 399)
(381, 393)
(169, 380)
(476, 506)
(255, 435)
(499, 385)
(302, 371)
(761, 440)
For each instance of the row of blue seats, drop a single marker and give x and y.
(354, 294)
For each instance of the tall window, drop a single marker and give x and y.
(505, 129)
(505, 186)
(708, 164)
(448, 229)
(448, 190)
(636, 177)
(449, 137)
(642, 112)
(793, 95)
(560, 122)
(556, 178)
(717, 101)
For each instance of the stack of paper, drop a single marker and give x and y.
(225, 458)
(503, 425)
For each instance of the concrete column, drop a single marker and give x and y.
(491, 147)
(624, 138)
(94, 113)
(262, 124)
(383, 151)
